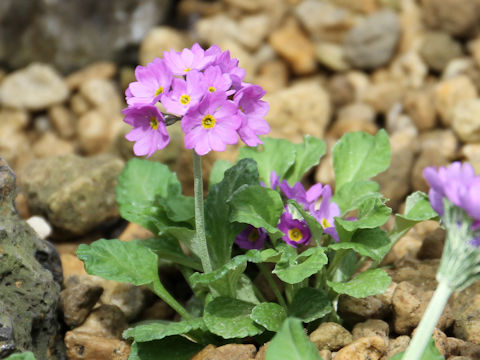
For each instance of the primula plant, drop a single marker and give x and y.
(258, 220)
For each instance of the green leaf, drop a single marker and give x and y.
(224, 280)
(269, 315)
(373, 243)
(308, 154)
(310, 304)
(230, 318)
(221, 232)
(367, 283)
(275, 155)
(431, 353)
(291, 343)
(128, 262)
(178, 208)
(158, 329)
(293, 270)
(258, 206)
(417, 209)
(359, 156)
(218, 170)
(371, 214)
(167, 248)
(23, 356)
(171, 348)
(140, 184)
(352, 194)
(347, 265)
(315, 228)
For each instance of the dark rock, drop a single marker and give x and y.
(372, 43)
(29, 293)
(71, 34)
(75, 194)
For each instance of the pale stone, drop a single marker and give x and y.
(466, 120)
(290, 42)
(332, 56)
(371, 327)
(301, 109)
(160, 39)
(419, 106)
(252, 30)
(272, 76)
(409, 69)
(79, 104)
(102, 93)
(330, 336)
(13, 119)
(383, 95)
(63, 121)
(36, 87)
(396, 346)
(51, 145)
(449, 93)
(40, 226)
(324, 20)
(354, 117)
(371, 348)
(94, 132)
(102, 70)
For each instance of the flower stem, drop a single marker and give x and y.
(424, 330)
(201, 240)
(273, 285)
(158, 288)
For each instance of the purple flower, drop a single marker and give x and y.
(227, 65)
(458, 184)
(149, 131)
(215, 80)
(296, 231)
(153, 81)
(252, 111)
(181, 63)
(317, 201)
(251, 238)
(211, 125)
(185, 94)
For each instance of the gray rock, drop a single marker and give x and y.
(36, 87)
(74, 194)
(438, 49)
(71, 34)
(372, 43)
(29, 291)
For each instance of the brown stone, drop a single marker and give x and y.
(94, 132)
(51, 145)
(134, 231)
(229, 351)
(78, 300)
(396, 346)
(432, 246)
(290, 42)
(272, 76)
(82, 346)
(419, 106)
(366, 348)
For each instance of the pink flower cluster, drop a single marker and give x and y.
(203, 87)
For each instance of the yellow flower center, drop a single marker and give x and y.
(153, 122)
(211, 89)
(184, 99)
(295, 234)
(159, 91)
(208, 121)
(325, 224)
(187, 69)
(241, 109)
(253, 237)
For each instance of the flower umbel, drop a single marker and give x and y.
(296, 231)
(251, 238)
